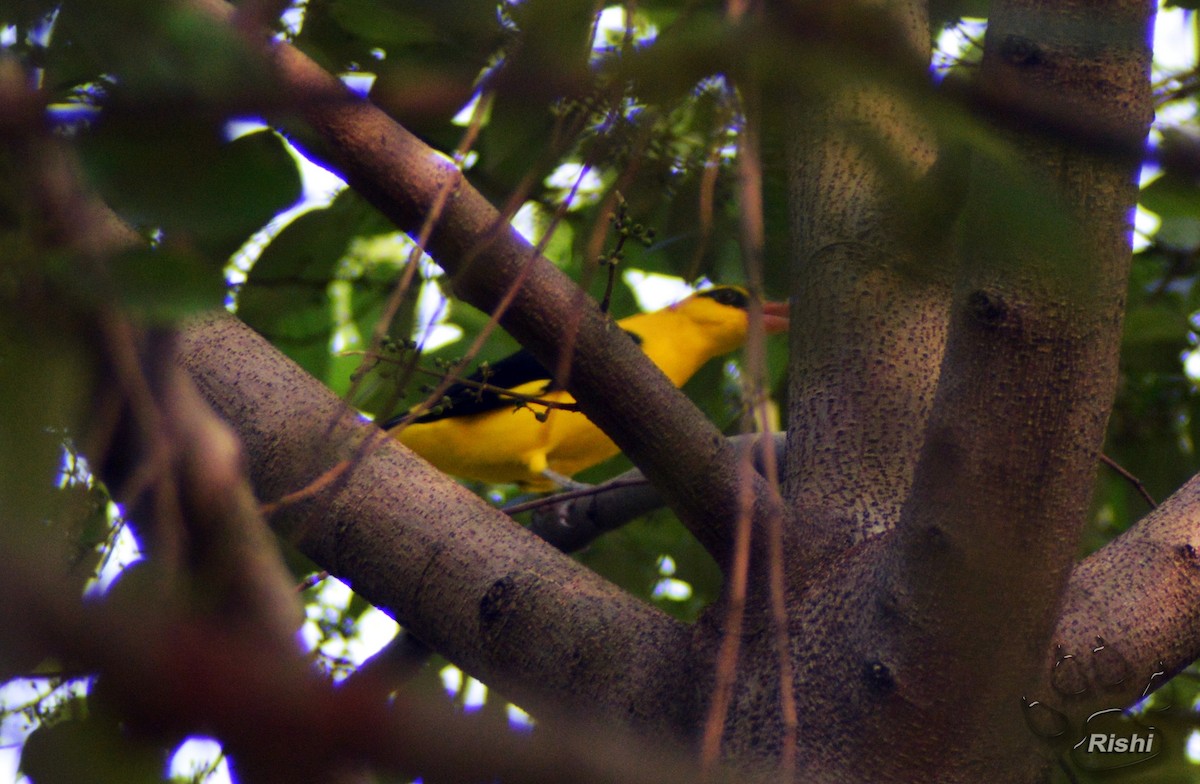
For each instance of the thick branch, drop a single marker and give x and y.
(1002, 490)
(1140, 596)
(464, 578)
(572, 524)
(867, 343)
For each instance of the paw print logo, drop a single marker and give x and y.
(1108, 739)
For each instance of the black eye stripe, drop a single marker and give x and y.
(727, 295)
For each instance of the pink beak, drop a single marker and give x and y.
(775, 317)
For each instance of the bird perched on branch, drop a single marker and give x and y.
(481, 431)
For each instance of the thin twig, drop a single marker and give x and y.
(1133, 480)
(571, 495)
(402, 287)
(311, 581)
(730, 649)
(426, 406)
(753, 234)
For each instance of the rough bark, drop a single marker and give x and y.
(965, 601)
(867, 343)
(459, 574)
(926, 638)
(1130, 618)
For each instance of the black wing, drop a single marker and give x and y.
(465, 399)
(510, 372)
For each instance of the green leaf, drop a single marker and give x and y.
(630, 558)
(424, 93)
(181, 177)
(1155, 324)
(46, 379)
(1171, 195)
(166, 284)
(90, 751)
(1179, 232)
(285, 296)
(380, 24)
(353, 34)
(154, 50)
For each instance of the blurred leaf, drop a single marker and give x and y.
(551, 57)
(424, 96)
(325, 40)
(46, 378)
(1170, 195)
(166, 284)
(381, 34)
(1179, 232)
(1155, 324)
(89, 751)
(943, 13)
(699, 45)
(630, 558)
(381, 23)
(285, 296)
(1149, 434)
(158, 51)
(180, 176)
(516, 143)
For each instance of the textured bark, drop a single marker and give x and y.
(462, 576)
(1130, 617)
(923, 640)
(1004, 484)
(967, 592)
(867, 343)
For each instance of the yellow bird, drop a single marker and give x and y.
(487, 435)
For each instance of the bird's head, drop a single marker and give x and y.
(726, 309)
(680, 338)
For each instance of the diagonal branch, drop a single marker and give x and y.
(459, 574)
(1140, 595)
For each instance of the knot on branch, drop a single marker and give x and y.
(1019, 51)
(988, 309)
(879, 678)
(501, 599)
